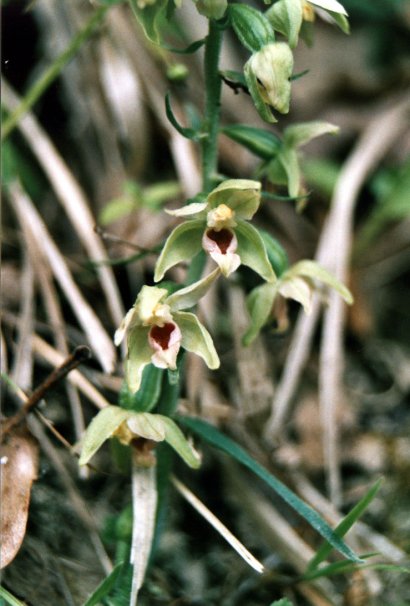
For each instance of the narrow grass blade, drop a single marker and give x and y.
(345, 525)
(9, 598)
(219, 440)
(104, 587)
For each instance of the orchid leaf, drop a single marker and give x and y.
(260, 142)
(214, 437)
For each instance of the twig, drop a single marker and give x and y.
(218, 525)
(79, 355)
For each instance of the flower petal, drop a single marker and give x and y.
(330, 5)
(128, 320)
(149, 308)
(189, 210)
(312, 270)
(221, 246)
(260, 304)
(300, 134)
(299, 290)
(166, 342)
(189, 296)
(196, 338)
(146, 425)
(176, 439)
(183, 243)
(100, 429)
(241, 195)
(138, 356)
(252, 250)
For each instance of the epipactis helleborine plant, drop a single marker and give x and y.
(156, 329)
(220, 226)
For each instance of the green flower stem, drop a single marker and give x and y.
(41, 85)
(212, 105)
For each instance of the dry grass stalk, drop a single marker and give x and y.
(32, 223)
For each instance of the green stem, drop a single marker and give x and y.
(212, 105)
(41, 85)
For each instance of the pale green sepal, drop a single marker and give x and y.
(196, 338)
(299, 290)
(138, 356)
(212, 9)
(100, 429)
(341, 21)
(259, 303)
(241, 195)
(262, 108)
(288, 158)
(252, 250)
(311, 269)
(183, 243)
(147, 425)
(189, 210)
(302, 133)
(330, 5)
(189, 296)
(286, 17)
(176, 439)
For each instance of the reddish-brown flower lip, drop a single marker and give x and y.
(222, 238)
(162, 334)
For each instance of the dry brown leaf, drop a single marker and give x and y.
(19, 464)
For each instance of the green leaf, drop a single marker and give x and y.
(343, 527)
(117, 209)
(183, 243)
(188, 50)
(104, 587)
(260, 142)
(288, 158)
(149, 17)
(147, 396)
(190, 295)
(300, 134)
(100, 429)
(196, 338)
(214, 437)
(277, 255)
(188, 133)
(310, 269)
(9, 598)
(282, 602)
(259, 303)
(286, 17)
(251, 26)
(252, 251)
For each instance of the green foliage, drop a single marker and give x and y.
(7, 598)
(214, 437)
(105, 587)
(251, 26)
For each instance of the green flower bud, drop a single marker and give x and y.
(212, 9)
(272, 67)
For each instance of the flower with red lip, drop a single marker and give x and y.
(220, 226)
(156, 329)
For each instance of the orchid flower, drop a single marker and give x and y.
(297, 283)
(128, 426)
(156, 329)
(220, 226)
(290, 17)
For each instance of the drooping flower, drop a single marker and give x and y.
(297, 283)
(142, 429)
(294, 17)
(220, 226)
(156, 329)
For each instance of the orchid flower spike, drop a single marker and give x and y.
(156, 329)
(220, 226)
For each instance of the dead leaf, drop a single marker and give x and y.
(19, 464)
